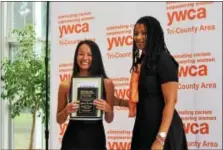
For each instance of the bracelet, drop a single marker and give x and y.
(160, 139)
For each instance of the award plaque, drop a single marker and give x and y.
(84, 91)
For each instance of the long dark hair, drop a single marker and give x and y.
(97, 66)
(155, 43)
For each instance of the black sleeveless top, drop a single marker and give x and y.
(85, 134)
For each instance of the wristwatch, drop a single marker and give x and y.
(162, 135)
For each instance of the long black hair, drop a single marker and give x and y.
(155, 43)
(97, 66)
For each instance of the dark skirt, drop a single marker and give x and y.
(84, 135)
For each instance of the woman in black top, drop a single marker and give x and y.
(157, 124)
(85, 134)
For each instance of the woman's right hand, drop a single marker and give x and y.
(71, 107)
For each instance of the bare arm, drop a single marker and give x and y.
(61, 111)
(64, 109)
(169, 90)
(167, 72)
(109, 87)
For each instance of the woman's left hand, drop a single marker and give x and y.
(102, 105)
(157, 145)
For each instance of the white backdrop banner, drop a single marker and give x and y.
(193, 33)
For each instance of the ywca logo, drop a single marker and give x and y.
(184, 15)
(119, 41)
(73, 29)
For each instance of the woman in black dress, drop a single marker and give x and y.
(157, 124)
(82, 134)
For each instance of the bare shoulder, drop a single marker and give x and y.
(108, 83)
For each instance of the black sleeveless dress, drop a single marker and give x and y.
(85, 134)
(151, 104)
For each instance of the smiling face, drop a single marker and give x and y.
(140, 36)
(84, 57)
